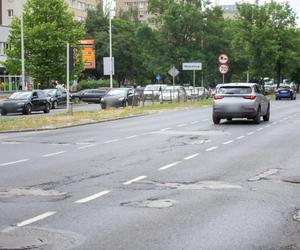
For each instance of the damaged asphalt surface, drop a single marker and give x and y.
(171, 180)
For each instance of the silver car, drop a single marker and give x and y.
(240, 100)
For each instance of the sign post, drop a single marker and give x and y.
(192, 66)
(173, 72)
(223, 65)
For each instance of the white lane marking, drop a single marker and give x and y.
(135, 180)
(195, 122)
(88, 146)
(191, 156)
(12, 162)
(93, 197)
(210, 149)
(240, 137)
(131, 137)
(111, 141)
(83, 143)
(267, 126)
(228, 142)
(250, 133)
(169, 165)
(165, 129)
(35, 219)
(259, 129)
(205, 120)
(181, 125)
(11, 143)
(286, 118)
(264, 174)
(274, 123)
(54, 154)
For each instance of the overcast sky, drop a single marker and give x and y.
(293, 3)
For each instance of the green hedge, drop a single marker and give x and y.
(93, 84)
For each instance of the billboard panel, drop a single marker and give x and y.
(88, 54)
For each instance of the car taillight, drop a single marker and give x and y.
(250, 97)
(217, 97)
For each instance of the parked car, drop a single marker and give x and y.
(25, 102)
(240, 100)
(77, 95)
(189, 90)
(174, 93)
(153, 91)
(93, 95)
(58, 97)
(120, 97)
(285, 91)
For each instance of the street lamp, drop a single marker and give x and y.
(110, 49)
(22, 52)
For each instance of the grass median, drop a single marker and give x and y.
(86, 117)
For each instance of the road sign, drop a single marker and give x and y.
(173, 72)
(224, 68)
(108, 65)
(158, 77)
(223, 59)
(192, 66)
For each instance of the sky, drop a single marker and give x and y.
(293, 3)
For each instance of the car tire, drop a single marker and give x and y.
(3, 112)
(276, 98)
(124, 104)
(54, 105)
(256, 119)
(103, 106)
(216, 119)
(27, 109)
(47, 108)
(267, 116)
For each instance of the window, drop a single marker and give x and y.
(10, 12)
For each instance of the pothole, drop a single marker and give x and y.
(37, 238)
(30, 192)
(197, 185)
(151, 203)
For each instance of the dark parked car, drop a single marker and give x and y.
(120, 97)
(92, 95)
(25, 102)
(58, 97)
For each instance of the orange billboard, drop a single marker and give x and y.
(88, 54)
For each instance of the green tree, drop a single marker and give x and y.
(48, 27)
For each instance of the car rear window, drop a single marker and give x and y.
(234, 90)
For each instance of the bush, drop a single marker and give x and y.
(93, 84)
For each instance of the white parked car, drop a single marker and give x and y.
(153, 91)
(174, 93)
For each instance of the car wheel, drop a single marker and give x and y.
(267, 116)
(54, 105)
(47, 108)
(124, 104)
(3, 112)
(103, 106)
(216, 119)
(27, 109)
(276, 98)
(256, 119)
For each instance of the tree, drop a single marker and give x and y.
(48, 27)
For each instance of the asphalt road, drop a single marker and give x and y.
(171, 180)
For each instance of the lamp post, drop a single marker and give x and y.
(110, 49)
(22, 53)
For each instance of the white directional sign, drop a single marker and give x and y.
(223, 59)
(192, 66)
(173, 72)
(108, 65)
(224, 69)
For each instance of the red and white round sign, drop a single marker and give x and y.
(223, 59)
(224, 69)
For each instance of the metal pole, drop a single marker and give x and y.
(22, 52)
(173, 81)
(68, 77)
(194, 78)
(110, 50)
(223, 78)
(248, 76)
(202, 80)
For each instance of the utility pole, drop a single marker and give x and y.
(110, 49)
(68, 77)
(23, 53)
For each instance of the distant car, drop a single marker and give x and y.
(25, 102)
(120, 97)
(58, 97)
(153, 91)
(240, 100)
(93, 95)
(174, 93)
(77, 95)
(285, 91)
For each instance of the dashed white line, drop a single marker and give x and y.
(181, 125)
(35, 219)
(240, 137)
(13, 162)
(169, 165)
(131, 137)
(54, 154)
(267, 126)
(205, 120)
(210, 149)
(259, 129)
(135, 180)
(93, 197)
(195, 122)
(191, 156)
(274, 123)
(111, 141)
(165, 129)
(88, 146)
(228, 142)
(250, 133)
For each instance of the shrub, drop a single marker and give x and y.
(93, 84)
